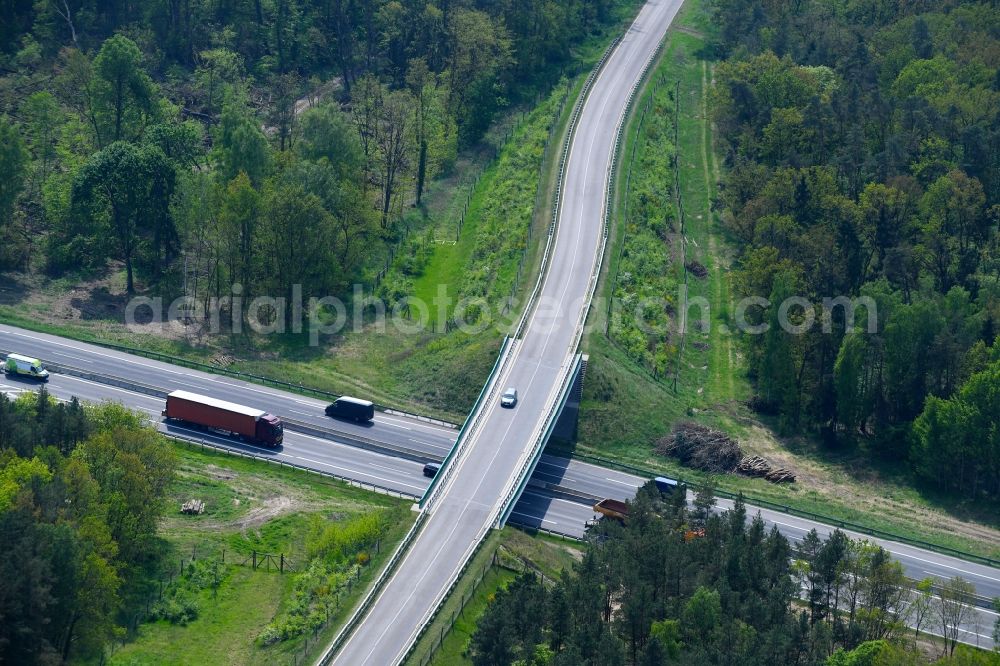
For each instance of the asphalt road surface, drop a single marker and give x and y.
(472, 495)
(398, 430)
(537, 508)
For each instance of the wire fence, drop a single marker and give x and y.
(147, 608)
(503, 559)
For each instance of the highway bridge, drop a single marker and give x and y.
(486, 479)
(334, 450)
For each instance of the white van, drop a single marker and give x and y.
(25, 366)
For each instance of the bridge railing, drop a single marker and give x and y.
(530, 460)
(472, 421)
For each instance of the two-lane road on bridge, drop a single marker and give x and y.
(471, 497)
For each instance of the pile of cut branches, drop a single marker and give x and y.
(701, 447)
(713, 451)
(759, 467)
(696, 269)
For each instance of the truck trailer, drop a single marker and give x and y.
(247, 423)
(612, 508)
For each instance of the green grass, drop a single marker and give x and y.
(242, 608)
(249, 506)
(462, 609)
(432, 373)
(626, 409)
(645, 270)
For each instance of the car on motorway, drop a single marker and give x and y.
(509, 397)
(353, 409)
(431, 469)
(25, 366)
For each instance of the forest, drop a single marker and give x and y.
(173, 139)
(863, 160)
(81, 493)
(687, 585)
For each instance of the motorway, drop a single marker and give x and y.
(538, 507)
(396, 430)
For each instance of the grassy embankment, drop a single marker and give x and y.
(249, 506)
(456, 621)
(432, 372)
(627, 409)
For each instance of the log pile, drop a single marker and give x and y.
(701, 447)
(709, 450)
(696, 269)
(193, 506)
(756, 466)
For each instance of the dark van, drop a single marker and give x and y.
(353, 409)
(431, 469)
(665, 486)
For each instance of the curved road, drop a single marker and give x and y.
(469, 500)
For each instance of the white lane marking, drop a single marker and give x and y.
(527, 515)
(77, 358)
(794, 527)
(319, 462)
(109, 386)
(418, 424)
(900, 555)
(624, 483)
(388, 469)
(295, 411)
(550, 498)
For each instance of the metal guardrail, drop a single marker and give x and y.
(557, 204)
(470, 423)
(364, 485)
(295, 425)
(373, 592)
(534, 453)
(801, 513)
(252, 378)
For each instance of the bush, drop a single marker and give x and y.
(645, 286)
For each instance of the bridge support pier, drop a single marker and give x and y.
(566, 425)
